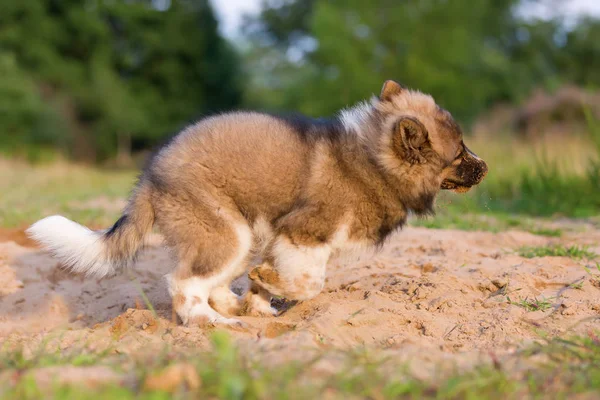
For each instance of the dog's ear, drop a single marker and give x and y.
(390, 88)
(411, 140)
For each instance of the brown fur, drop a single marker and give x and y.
(240, 166)
(127, 235)
(178, 300)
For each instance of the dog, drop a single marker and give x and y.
(274, 197)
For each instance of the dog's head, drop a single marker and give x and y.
(422, 142)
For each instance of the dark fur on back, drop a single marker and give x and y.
(117, 225)
(313, 129)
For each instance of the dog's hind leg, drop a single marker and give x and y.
(257, 302)
(225, 301)
(212, 249)
(293, 271)
(191, 301)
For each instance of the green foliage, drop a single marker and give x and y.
(93, 78)
(26, 121)
(88, 77)
(469, 55)
(351, 47)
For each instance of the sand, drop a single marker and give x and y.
(435, 296)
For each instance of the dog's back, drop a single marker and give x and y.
(250, 161)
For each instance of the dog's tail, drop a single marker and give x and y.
(98, 253)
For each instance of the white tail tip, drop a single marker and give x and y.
(77, 247)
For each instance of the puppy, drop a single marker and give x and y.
(280, 194)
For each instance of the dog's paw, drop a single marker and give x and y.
(264, 274)
(259, 311)
(204, 321)
(256, 305)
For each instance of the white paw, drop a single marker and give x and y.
(232, 322)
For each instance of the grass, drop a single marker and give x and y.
(546, 177)
(530, 184)
(575, 252)
(594, 278)
(571, 366)
(18, 360)
(549, 176)
(534, 304)
(576, 286)
(30, 192)
(546, 232)
(448, 217)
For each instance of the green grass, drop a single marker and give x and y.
(575, 252)
(571, 366)
(546, 232)
(543, 177)
(17, 360)
(594, 277)
(534, 304)
(545, 191)
(576, 286)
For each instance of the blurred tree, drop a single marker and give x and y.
(98, 78)
(23, 113)
(580, 55)
(452, 49)
(121, 73)
(550, 54)
(328, 54)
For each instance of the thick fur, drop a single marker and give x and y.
(283, 193)
(98, 253)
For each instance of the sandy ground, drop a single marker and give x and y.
(434, 296)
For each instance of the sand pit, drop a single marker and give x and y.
(436, 295)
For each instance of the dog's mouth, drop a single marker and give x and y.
(457, 187)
